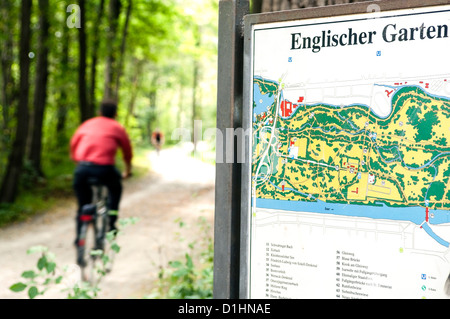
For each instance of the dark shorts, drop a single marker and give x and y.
(108, 175)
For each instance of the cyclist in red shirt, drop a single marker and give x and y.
(157, 140)
(93, 147)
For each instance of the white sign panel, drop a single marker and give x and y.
(351, 156)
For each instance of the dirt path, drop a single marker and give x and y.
(179, 187)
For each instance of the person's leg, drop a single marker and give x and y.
(113, 181)
(83, 193)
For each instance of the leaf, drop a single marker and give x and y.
(115, 248)
(37, 249)
(18, 287)
(180, 222)
(180, 273)
(124, 222)
(97, 252)
(175, 264)
(50, 255)
(105, 259)
(110, 236)
(189, 262)
(42, 262)
(50, 267)
(59, 279)
(29, 274)
(33, 292)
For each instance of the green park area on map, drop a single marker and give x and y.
(348, 154)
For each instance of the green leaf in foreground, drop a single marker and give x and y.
(42, 262)
(33, 292)
(29, 274)
(115, 247)
(18, 287)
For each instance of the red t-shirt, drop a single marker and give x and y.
(97, 141)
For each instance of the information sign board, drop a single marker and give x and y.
(349, 118)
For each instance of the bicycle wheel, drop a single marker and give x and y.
(97, 261)
(109, 252)
(86, 258)
(105, 240)
(88, 254)
(94, 267)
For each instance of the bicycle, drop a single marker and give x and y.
(94, 254)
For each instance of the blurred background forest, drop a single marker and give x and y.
(59, 59)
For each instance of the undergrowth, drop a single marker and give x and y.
(183, 279)
(48, 274)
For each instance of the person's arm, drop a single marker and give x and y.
(73, 144)
(127, 152)
(127, 172)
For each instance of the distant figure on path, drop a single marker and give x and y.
(157, 140)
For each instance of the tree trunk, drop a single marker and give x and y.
(10, 184)
(195, 115)
(153, 109)
(82, 89)
(195, 108)
(256, 6)
(40, 93)
(111, 62)
(63, 94)
(96, 43)
(122, 47)
(8, 84)
(180, 107)
(134, 91)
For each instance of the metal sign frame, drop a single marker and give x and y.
(282, 16)
(228, 173)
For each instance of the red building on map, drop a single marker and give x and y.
(287, 108)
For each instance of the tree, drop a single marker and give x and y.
(195, 107)
(111, 63)
(10, 184)
(63, 91)
(153, 63)
(40, 91)
(122, 47)
(8, 94)
(94, 59)
(85, 112)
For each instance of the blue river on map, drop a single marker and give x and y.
(415, 215)
(262, 101)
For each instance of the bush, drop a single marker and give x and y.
(185, 280)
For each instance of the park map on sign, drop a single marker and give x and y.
(347, 154)
(349, 124)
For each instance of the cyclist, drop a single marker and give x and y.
(157, 139)
(93, 147)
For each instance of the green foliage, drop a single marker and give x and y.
(165, 39)
(47, 274)
(184, 279)
(38, 281)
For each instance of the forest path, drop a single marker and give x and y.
(178, 187)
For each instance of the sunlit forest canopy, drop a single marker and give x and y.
(59, 59)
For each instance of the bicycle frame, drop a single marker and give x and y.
(96, 216)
